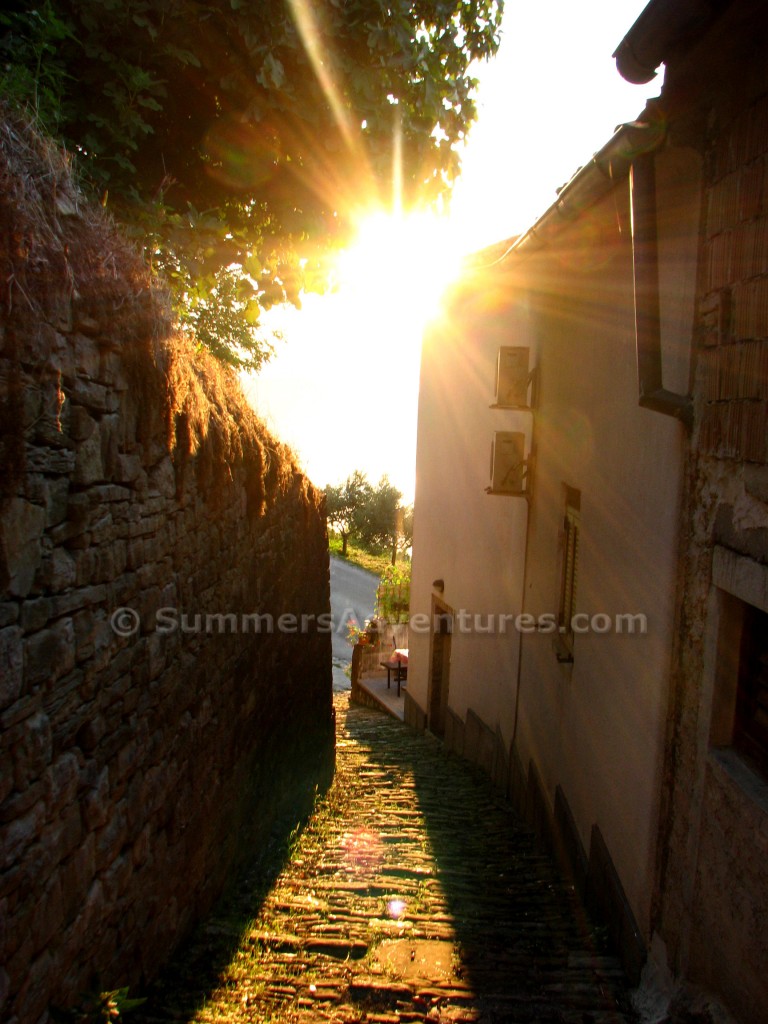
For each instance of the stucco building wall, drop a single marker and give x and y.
(595, 726)
(463, 536)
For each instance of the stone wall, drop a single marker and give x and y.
(713, 885)
(143, 753)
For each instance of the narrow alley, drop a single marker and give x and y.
(413, 894)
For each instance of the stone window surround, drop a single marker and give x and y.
(740, 577)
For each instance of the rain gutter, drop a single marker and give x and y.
(590, 183)
(663, 28)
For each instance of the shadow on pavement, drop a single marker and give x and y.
(524, 949)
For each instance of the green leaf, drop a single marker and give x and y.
(182, 56)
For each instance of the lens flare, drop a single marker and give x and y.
(396, 909)
(398, 268)
(363, 850)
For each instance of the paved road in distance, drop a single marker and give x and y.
(353, 596)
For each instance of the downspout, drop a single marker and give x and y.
(645, 261)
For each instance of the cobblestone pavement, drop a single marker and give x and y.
(413, 894)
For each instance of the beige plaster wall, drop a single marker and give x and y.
(471, 540)
(596, 727)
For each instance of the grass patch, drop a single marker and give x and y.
(359, 556)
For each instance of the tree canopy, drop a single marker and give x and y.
(344, 505)
(238, 138)
(373, 515)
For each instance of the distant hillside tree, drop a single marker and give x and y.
(344, 505)
(379, 522)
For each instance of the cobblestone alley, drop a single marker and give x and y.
(412, 895)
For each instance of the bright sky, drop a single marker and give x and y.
(343, 387)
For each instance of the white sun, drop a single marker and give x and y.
(395, 272)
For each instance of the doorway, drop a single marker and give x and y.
(439, 665)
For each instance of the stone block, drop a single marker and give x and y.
(50, 653)
(128, 468)
(156, 651)
(21, 709)
(141, 848)
(85, 628)
(23, 800)
(52, 461)
(109, 427)
(3, 935)
(87, 358)
(120, 555)
(69, 534)
(90, 733)
(65, 779)
(33, 749)
(11, 665)
(78, 509)
(89, 468)
(5, 985)
(102, 530)
(40, 341)
(106, 567)
(116, 877)
(162, 478)
(56, 501)
(96, 804)
(83, 597)
(20, 834)
(85, 562)
(90, 395)
(104, 494)
(77, 873)
(86, 324)
(48, 918)
(69, 831)
(63, 706)
(81, 424)
(111, 838)
(32, 1000)
(9, 613)
(49, 428)
(756, 482)
(93, 909)
(6, 787)
(21, 531)
(61, 571)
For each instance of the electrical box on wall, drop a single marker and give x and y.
(513, 377)
(509, 469)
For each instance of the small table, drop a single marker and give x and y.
(398, 664)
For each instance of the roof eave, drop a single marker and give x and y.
(662, 28)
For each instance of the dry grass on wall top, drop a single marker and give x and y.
(55, 242)
(66, 266)
(209, 419)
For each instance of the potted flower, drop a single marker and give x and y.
(372, 631)
(356, 634)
